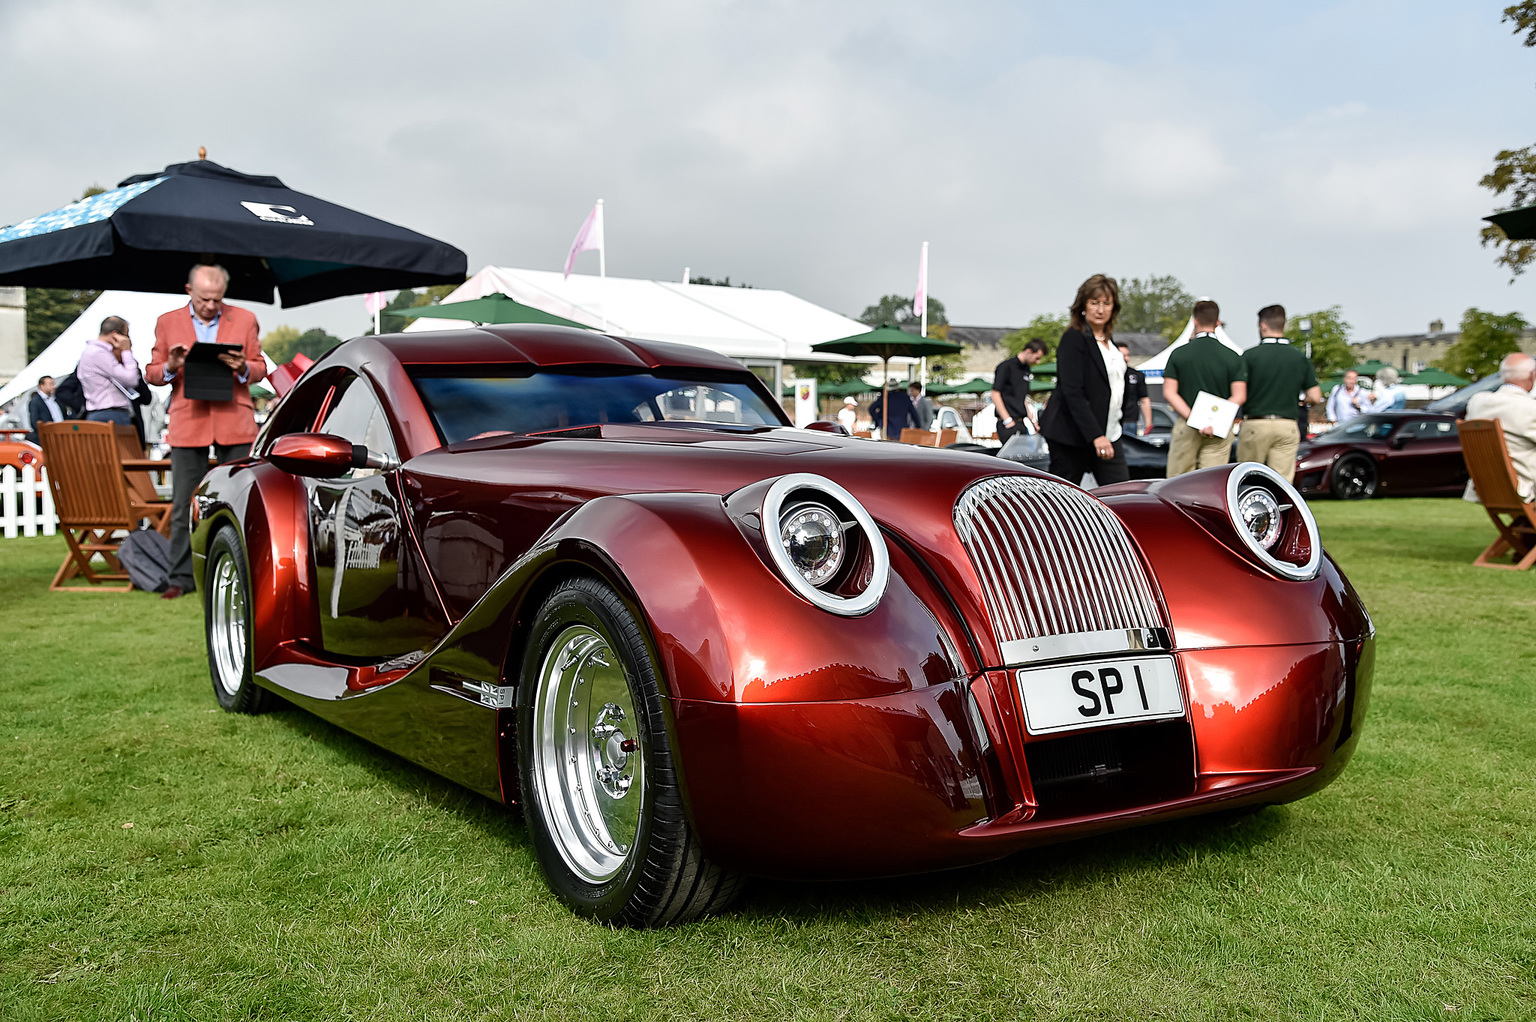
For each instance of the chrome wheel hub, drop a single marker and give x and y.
(226, 636)
(588, 760)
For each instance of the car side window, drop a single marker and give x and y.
(355, 415)
(1430, 429)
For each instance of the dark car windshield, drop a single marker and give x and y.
(471, 401)
(1364, 427)
(1456, 403)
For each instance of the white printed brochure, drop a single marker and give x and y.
(1216, 412)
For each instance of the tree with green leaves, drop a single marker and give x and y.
(49, 311)
(896, 310)
(1485, 340)
(1514, 170)
(283, 342)
(1044, 326)
(1328, 334)
(1157, 305)
(395, 316)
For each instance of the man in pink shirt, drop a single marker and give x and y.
(109, 374)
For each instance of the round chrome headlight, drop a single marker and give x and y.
(813, 537)
(1273, 521)
(817, 533)
(1259, 512)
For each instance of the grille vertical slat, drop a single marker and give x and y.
(1052, 560)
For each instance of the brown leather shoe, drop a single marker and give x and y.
(171, 593)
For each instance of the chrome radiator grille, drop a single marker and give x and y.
(1052, 560)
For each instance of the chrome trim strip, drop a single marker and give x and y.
(1081, 644)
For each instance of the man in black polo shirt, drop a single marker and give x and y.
(1010, 390)
(1277, 375)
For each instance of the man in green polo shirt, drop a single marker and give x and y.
(1277, 375)
(1201, 363)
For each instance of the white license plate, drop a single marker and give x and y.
(1072, 696)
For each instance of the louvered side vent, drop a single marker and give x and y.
(1052, 560)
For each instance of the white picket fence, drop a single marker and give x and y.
(26, 503)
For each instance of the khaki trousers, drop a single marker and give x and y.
(1271, 442)
(1190, 449)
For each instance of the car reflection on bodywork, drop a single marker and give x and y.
(1414, 453)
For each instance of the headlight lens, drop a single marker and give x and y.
(1273, 521)
(1259, 512)
(824, 544)
(813, 538)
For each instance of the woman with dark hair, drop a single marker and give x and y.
(1082, 419)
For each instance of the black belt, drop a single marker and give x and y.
(1287, 418)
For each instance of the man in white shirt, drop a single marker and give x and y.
(1348, 399)
(849, 415)
(1514, 405)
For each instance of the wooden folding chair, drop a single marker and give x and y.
(93, 502)
(947, 437)
(140, 488)
(1493, 474)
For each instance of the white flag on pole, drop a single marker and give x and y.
(590, 237)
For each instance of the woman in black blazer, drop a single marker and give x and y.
(1082, 419)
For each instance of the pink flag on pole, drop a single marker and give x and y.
(589, 238)
(373, 301)
(920, 302)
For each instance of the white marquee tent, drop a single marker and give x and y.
(1152, 368)
(758, 326)
(59, 359)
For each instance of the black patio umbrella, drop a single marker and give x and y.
(1518, 224)
(145, 234)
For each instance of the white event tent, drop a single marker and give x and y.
(1152, 368)
(759, 327)
(59, 359)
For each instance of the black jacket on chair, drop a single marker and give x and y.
(1079, 407)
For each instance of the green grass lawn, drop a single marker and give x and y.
(160, 859)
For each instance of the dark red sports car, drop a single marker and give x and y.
(605, 579)
(1404, 454)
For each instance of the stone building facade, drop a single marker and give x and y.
(1412, 353)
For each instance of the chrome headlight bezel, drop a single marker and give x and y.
(808, 487)
(1250, 473)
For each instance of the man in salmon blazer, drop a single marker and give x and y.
(229, 426)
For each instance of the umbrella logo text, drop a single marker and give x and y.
(278, 214)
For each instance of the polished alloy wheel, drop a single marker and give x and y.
(226, 633)
(588, 760)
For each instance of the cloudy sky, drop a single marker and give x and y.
(1311, 153)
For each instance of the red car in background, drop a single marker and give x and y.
(1405, 454)
(605, 579)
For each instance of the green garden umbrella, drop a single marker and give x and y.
(886, 343)
(1370, 368)
(493, 308)
(1045, 369)
(1436, 378)
(977, 385)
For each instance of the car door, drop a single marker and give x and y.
(368, 587)
(1435, 455)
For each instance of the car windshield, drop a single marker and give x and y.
(473, 401)
(1456, 403)
(1364, 427)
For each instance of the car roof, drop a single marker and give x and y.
(540, 345)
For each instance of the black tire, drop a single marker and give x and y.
(227, 626)
(1354, 477)
(623, 863)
